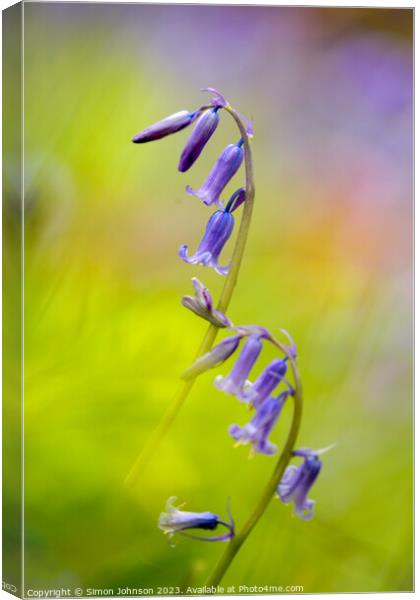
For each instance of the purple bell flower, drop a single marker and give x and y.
(202, 305)
(177, 521)
(259, 428)
(202, 132)
(166, 126)
(222, 172)
(218, 231)
(215, 357)
(265, 384)
(235, 381)
(297, 482)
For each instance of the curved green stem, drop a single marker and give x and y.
(212, 331)
(242, 236)
(236, 543)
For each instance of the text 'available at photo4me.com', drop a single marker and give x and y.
(78, 592)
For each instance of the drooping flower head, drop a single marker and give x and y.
(202, 305)
(166, 126)
(216, 356)
(222, 172)
(205, 127)
(266, 383)
(297, 482)
(235, 381)
(178, 521)
(259, 428)
(218, 231)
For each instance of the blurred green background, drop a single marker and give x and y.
(328, 258)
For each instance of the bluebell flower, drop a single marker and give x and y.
(202, 132)
(202, 305)
(215, 357)
(259, 428)
(265, 383)
(222, 172)
(178, 521)
(166, 126)
(235, 381)
(218, 231)
(297, 482)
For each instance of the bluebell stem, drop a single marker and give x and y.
(265, 384)
(222, 172)
(202, 305)
(218, 231)
(297, 482)
(166, 126)
(235, 381)
(178, 521)
(216, 356)
(202, 132)
(260, 426)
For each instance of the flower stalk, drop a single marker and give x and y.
(231, 279)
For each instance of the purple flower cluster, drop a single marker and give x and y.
(257, 395)
(220, 225)
(267, 393)
(262, 396)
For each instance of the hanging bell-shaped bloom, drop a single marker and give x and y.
(218, 231)
(166, 126)
(222, 172)
(266, 383)
(205, 127)
(259, 428)
(235, 381)
(178, 521)
(297, 482)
